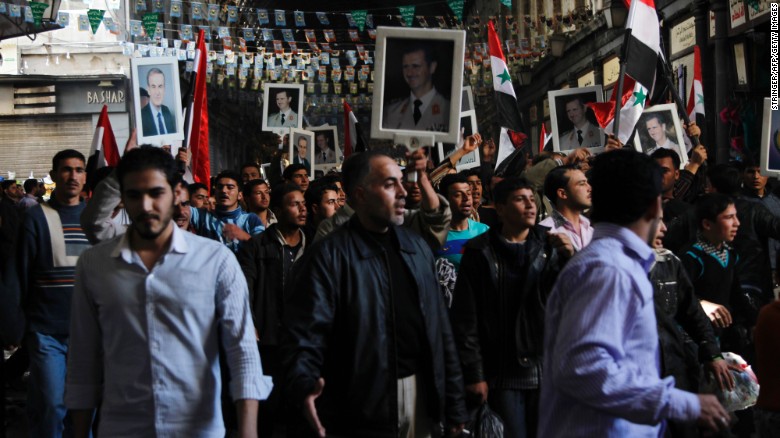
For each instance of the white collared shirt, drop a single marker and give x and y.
(426, 99)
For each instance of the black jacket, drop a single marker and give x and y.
(477, 311)
(338, 324)
(756, 225)
(261, 261)
(678, 314)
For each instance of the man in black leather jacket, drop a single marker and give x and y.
(367, 348)
(498, 307)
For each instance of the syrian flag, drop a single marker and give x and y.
(696, 96)
(544, 138)
(506, 101)
(198, 138)
(353, 135)
(644, 42)
(104, 150)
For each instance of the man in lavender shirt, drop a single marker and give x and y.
(601, 363)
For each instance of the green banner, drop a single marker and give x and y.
(507, 3)
(37, 10)
(360, 18)
(407, 13)
(95, 18)
(150, 24)
(457, 8)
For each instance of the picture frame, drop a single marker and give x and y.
(565, 136)
(770, 141)
(295, 138)
(272, 119)
(467, 99)
(661, 122)
(326, 135)
(468, 123)
(392, 106)
(157, 106)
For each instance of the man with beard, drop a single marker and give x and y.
(49, 246)
(199, 195)
(368, 349)
(257, 195)
(601, 372)
(151, 309)
(181, 211)
(568, 190)
(266, 261)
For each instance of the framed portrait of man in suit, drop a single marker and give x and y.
(418, 87)
(574, 125)
(157, 100)
(327, 153)
(770, 140)
(302, 149)
(659, 127)
(282, 107)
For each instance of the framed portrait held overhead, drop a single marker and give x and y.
(418, 86)
(302, 149)
(770, 141)
(468, 126)
(574, 125)
(327, 153)
(157, 100)
(659, 127)
(282, 107)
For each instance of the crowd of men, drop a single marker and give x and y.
(580, 296)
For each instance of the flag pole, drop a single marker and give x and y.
(682, 109)
(621, 78)
(187, 104)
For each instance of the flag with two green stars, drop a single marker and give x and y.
(506, 100)
(641, 65)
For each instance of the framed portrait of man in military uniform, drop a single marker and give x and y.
(282, 107)
(659, 127)
(770, 141)
(574, 125)
(327, 153)
(419, 85)
(302, 149)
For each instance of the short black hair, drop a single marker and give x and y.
(470, 172)
(291, 169)
(30, 185)
(250, 185)
(282, 90)
(355, 169)
(194, 187)
(250, 164)
(331, 178)
(314, 193)
(279, 192)
(143, 92)
(558, 178)
(148, 157)
(417, 46)
(7, 183)
(709, 206)
(625, 184)
(231, 174)
(660, 118)
(662, 153)
(725, 178)
(64, 155)
(448, 180)
(507, 186)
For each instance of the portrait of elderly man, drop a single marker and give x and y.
(583, 134)
(424, 108)
(156, 118)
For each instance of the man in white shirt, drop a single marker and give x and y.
(149, 310)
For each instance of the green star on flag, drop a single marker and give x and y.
(504, 76)
(701, 99)
(640, 97)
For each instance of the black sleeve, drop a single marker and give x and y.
(463, 316)
(692, 318)
(247, 259)
(455, 405)
(681, 231)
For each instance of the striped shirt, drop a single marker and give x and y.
(601, 362)
(144, 343)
